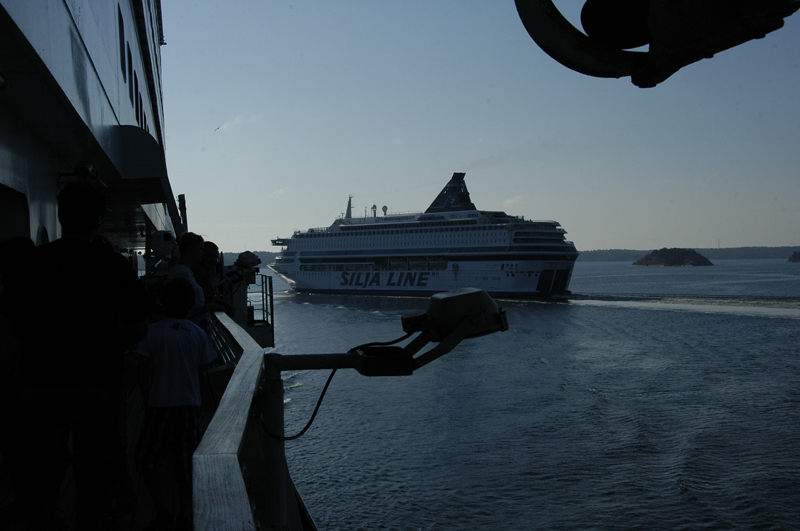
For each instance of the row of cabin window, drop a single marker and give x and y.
(407, 231)
(129, 76)
(424, 224)
(373, 238)
(356, 243)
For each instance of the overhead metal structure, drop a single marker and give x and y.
(677, 33)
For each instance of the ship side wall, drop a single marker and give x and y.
(73, 76)
(530, 277)
(85, 48)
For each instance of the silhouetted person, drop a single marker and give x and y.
(12, 252)
(205, 273)
(190, 250)
(174, 352)
(78, 306)
(123, 489)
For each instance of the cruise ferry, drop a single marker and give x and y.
(449, 246)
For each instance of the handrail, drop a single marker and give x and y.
(228, 349)
(236, 479)
(220, 495)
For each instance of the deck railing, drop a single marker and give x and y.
(241, 481)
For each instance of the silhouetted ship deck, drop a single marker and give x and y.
(81, 99)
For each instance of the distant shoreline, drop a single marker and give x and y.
(728, 253)
(628, 255)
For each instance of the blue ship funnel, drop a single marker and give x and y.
(454, 197)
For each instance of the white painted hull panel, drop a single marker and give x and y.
(524, 280)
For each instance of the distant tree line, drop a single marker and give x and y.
(730, 253)
(265, 256)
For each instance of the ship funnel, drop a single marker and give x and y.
(348, 214)
(454, 197)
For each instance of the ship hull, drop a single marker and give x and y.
(519, 279)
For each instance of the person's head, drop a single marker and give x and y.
(210, 255)
(177, 298)
(81, 209)
(190, 246)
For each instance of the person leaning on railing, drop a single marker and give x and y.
(175, 351)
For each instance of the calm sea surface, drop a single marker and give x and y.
(657, 398)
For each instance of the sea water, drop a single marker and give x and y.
(655, 398)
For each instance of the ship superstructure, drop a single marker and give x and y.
(449, 246)
(80, 98)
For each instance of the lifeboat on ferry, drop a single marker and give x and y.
(417, 262)
(437, 262)
(398, 263)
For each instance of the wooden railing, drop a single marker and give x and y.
(241, 481)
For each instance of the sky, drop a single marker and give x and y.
(276, 112)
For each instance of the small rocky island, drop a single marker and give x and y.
(795, 257)
(673, 257)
